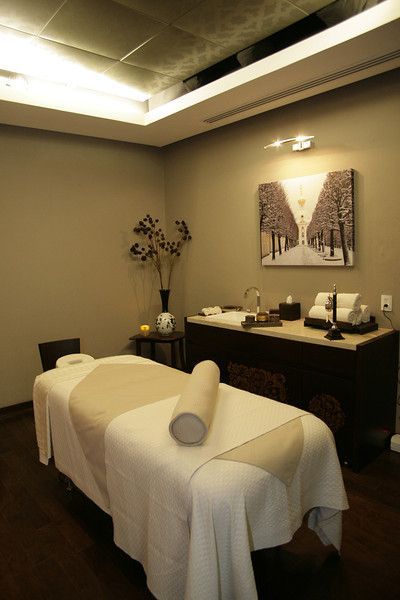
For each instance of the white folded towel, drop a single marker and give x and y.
(365, 314)
(345, 315)
(211, 310)
(352, 301)
(194, 410)
(318, 312)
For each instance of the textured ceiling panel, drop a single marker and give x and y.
(101, 26)
(163, 10)
(12, 34)
(141, 79)
(310, 6)
(27, 15)
(239, 24)
(187, 54)
(94, 35)
(67, 54)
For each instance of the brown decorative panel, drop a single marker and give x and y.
(258, 381)
(329, 410)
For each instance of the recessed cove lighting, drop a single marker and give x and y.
(20, 54)
(13, 80)
(78, 100)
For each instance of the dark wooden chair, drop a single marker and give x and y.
(50, 352)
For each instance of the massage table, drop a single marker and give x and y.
(191, 515)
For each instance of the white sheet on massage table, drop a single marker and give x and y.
(227, 520)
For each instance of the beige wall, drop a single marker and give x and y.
(67, 207)
(212, 181)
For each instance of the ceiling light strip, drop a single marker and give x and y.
(305, 86)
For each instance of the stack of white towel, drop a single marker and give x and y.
(349, 308)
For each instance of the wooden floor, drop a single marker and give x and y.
(56, 544)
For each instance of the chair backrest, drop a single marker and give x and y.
(51, 351)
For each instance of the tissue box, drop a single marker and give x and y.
(289, 312)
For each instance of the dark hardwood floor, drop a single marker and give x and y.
(56, 544)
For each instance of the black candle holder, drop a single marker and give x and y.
(334, 332)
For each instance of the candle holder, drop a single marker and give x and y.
(331, 305)
(334, 333)
(145, 330)
(329, 309)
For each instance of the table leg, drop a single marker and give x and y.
(138, 348)
(173, 355)
(152, 351)
(182, 355)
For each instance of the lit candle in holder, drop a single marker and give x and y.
(145, 329)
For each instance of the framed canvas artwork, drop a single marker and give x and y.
(308, 221)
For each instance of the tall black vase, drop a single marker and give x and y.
(164, 299)
(165, 322)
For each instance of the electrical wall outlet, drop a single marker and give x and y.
(386, 303)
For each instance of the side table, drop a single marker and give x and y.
(154, 338)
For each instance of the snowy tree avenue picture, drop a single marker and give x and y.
(308, 221)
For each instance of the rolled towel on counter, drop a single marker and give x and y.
(321, 298)
(345, 315)
(352, 301)
(318, 312)
(365, 314)
(211, 310)
(194, 410)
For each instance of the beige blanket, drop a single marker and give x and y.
(46, 383)
(278, 451)
(109, 391)
(114, 389)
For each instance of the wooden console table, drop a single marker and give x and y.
(351, 384)
(154, 338)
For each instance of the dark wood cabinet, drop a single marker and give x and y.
(352, 390)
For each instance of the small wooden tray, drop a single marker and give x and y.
(344, 327)
(250, 324)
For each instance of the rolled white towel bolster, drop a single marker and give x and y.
(194, 410)
(318, 312)
(321, 298)
(345, 315)
(352, 301)
(211, 310)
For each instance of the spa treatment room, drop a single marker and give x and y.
(200, 299)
